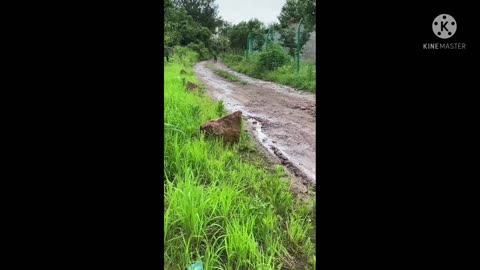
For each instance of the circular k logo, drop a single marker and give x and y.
(444, 26)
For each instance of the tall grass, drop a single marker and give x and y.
(229, 76)
(287, 74)
(220, 207)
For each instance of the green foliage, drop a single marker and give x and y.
(285, 74)
(237, 34)
(203, 53)
(181, 29)
(227, 75)
(204, 12)
(191, 22)
(220, 44)
(292, 12)
(185, 56)
(304, 80)
(308, 10)
(272, 58)
(192, 32)
(232, 58)
(220, 108)
(288, 39)
(241, 64)
(310, 74)
(170, 35)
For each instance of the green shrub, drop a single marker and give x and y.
(310, 75)
(203, 53)
(185, 56)
(272, 58)
(276, 66)
(232, 59)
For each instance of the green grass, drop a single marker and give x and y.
(223, 206)
(229, 76)
(287, 75)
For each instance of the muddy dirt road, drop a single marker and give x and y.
(280, 118)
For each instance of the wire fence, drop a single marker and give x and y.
(306, 54)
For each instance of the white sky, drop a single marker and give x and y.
(235, 11)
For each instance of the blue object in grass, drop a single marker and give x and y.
(196, 266)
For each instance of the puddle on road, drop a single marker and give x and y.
(275, 150)
(257, 127)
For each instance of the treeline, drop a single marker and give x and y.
(196, 24)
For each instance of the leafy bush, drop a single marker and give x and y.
(257, 65)
(185, 56)
(232, 59)
(203, 53)
(272, 58)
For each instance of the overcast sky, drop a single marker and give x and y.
(235, 11)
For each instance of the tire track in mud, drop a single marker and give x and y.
(279, 117)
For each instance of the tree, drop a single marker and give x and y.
(169, 26)
(223, 28)
(289, 14)
(179, 27)
(308, 10)
(292, 12)
(288, 39)
(204, 12)
(238, 34)
(257, 30)
(167, 8)
(220, 44)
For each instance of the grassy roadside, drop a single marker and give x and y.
(287, 74)
(229, 76)
(222, 208)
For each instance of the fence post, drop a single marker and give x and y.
(298, 45)
(249, 43)
(247, 51)
(266, 40)
(269, 34)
